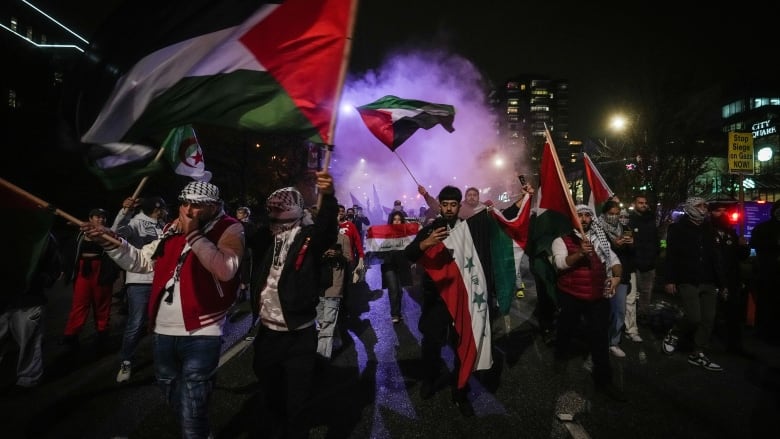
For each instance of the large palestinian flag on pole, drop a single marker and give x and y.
(393, 120)
(232, 63)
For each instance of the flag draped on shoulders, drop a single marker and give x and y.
(265, 68)
(393, 120)
(388, 237)
(460, 268)
(599, 191)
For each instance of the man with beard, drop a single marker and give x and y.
(646, 249)
(436, 324)
(589, 272)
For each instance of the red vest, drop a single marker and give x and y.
(204, 298)
(585, 279)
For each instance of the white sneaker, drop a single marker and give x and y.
(616, 351)
(125, 370)
(634, 337)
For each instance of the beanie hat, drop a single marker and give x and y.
(199, 192)
(288, 204)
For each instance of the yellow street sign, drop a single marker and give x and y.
(740, 153)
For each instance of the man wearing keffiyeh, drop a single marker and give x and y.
(588, 273)
(195, 265)
(694, 271)
(286, 285)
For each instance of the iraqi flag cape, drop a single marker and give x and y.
(274, 67)
(463, 270)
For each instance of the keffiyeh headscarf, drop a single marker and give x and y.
(611, 225)
(694, 213)
(199, 192)
(601, 242)
(287, 212)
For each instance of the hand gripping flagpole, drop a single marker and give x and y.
(339, 86)
(144, 180)
(46, 205)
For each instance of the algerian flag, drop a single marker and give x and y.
(126, 164)
(393, 120)
(185, 155)
(599, 191)
(389, 237)
(269, 68)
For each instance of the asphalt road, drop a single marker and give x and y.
(371, 389)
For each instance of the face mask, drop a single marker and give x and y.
(612, 219)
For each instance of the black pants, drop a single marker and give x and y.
(284, 365)
(596, 316)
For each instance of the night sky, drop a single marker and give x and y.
(444, 52)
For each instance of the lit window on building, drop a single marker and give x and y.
(14, 24)
(512, 110)
(513, 102)
(29, 33)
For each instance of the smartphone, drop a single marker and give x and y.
(521, 177)
(628, 233)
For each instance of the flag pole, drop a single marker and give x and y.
(339, 87)
(407, 168)
(562, 179)
(144, 180)
(46, 205)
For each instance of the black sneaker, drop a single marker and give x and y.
(701, 360)
(670, 343)
(461, 400)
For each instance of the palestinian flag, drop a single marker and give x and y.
(460, 267)
(599, 191)
(553, 193)
(264, 68)
(393, 120)
(389, 237)
(126, 164)
(508, 244)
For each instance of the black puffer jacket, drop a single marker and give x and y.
(692, 255)
(646, 244)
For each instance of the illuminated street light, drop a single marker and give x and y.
(765, 154)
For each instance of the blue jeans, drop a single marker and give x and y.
(617, 313)
(135, 327)
(186, 371)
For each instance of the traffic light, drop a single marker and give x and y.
(733, 216)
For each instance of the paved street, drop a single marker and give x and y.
(371, 389)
